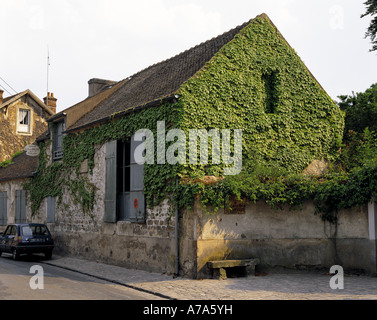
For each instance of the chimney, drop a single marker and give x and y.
(97, 85)
(1, 96)
(50, 101)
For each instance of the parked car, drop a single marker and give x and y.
(26, 238)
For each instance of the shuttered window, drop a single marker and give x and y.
(20, 206)
(58, 129)
(111, 182)
(3, 209)
(51, 210)
(124, 199)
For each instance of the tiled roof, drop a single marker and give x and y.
(22, 166)
(158, 81)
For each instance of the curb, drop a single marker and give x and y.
(112, 281)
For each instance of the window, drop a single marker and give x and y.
(51, 210)
(124, 200)
(23, 121)
(3, 209)
(34, 231)
(57, 133)
(11, 231)
(269, 95)
(20, 206)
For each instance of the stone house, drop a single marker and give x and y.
(109, 207)
(23, 118)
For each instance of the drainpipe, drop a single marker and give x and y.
(176, 237)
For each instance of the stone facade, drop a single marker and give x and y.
(146, 246)
(282, 238)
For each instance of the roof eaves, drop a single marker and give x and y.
(108, 118)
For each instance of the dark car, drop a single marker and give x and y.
(27, 238)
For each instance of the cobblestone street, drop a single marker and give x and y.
(292, 285)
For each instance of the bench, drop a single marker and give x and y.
(219, 267)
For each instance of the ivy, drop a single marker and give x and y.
(255, 83)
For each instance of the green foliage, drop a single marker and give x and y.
(52, 178)
(361, 111)
(257, 83)
(360, 138)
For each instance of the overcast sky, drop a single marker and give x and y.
(114, 39)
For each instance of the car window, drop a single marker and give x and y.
(13, 231)
(7, 232)
(26, 231)
(34, 231)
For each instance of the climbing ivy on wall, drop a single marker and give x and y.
(52, 179)
(256, 83)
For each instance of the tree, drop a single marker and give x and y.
(361, 110)
(372, 30)
(360, 134)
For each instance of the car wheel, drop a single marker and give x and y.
(48, 254)
(15, 254)
(0, 253)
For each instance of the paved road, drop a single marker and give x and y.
(72, 278)
(59, 284)
(289, 285)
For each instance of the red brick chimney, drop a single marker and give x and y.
(1, 96)
(50, 101)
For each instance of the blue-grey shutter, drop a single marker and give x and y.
(20, 206)
(137, 203)
(3, 209)
(111, 182)
(51, 209)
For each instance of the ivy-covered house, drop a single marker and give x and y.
(113, 208)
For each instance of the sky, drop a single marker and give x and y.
(114, 39)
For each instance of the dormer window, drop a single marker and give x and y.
(23, 121)
(57, 132)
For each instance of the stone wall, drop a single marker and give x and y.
(284, 238)
(147, 246)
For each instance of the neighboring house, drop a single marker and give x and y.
(112, 209)
(22, 119)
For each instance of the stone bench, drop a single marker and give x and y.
(219, 267)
